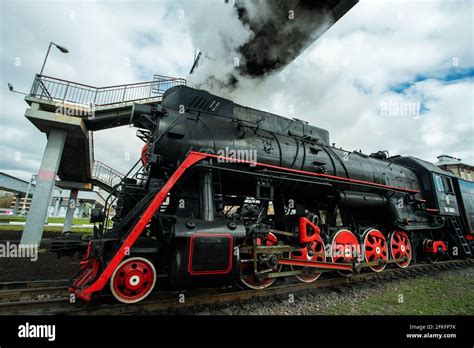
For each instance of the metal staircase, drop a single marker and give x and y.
(105, 177)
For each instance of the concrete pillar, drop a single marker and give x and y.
(62, 204)
(44, 187)
(81, 209)
(17, 203)
(71, 207)
(57, 205)
(48, 212)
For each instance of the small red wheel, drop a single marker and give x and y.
(247, 275)
(315, 252)
(345, 248)
(133, 280)
(375, 248)
(400, 246)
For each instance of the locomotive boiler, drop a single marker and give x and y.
(227, 193)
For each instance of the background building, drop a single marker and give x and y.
(455, 166)
(16, 195)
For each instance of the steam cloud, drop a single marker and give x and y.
(243, 46)
(218, 33)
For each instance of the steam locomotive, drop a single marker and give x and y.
(227, 193)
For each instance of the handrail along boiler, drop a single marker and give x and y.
(228, 193)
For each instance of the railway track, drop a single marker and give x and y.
(35, 284)
(52, 298)
(23, 293)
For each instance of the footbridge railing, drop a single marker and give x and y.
(63, 91)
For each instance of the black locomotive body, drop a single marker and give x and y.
(229, 193)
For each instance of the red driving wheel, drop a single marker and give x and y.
(375, 248)
(345, 248)
(133, 280)
(400, 246)
(314, 252)
(247, 275)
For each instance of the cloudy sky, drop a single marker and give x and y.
(390, 75)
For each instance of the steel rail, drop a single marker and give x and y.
(166, 300)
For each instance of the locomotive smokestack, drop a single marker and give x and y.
(143, 116)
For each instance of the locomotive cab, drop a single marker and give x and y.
(445, 196)
(437, 187)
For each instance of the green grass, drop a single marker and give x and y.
(75, 221)
(443, 295)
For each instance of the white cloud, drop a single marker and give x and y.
(109, 42)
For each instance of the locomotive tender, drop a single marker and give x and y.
(227, 193)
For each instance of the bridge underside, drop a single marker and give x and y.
(76, 158)
(76, 163)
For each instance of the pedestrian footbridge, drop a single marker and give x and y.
(69, 113)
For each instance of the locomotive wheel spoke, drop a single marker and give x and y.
(400, 246)
(375, 248)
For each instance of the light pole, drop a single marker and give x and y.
(12, 89)
(61, 48)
